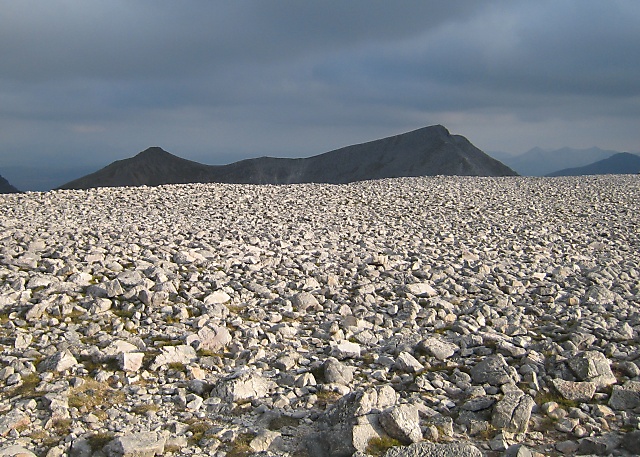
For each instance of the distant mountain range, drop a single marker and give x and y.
(6, 188)
(427, 151)
(541, 162)
(618, 164)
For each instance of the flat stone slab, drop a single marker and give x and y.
(143, 444)
(575, 391)
(425, 449)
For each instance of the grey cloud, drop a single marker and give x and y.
(228, 80)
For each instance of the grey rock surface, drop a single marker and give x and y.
(593, 366)
(625, 397)
(513, 411)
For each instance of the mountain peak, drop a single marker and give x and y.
(152, 152)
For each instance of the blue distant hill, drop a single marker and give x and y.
(541, 162)
(622, 163)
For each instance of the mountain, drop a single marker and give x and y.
(6, 188)
(424, 152)
(151, 167)
(618, 164)
(540, 162)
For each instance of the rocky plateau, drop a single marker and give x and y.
(434, 316)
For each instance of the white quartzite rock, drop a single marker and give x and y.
(245, 385)
(304, 300)
(130, 361)
(402, 422)
(336, 372)
(421, 289)
(439, 349)
(12, 420)
(174, 354)
(217, 297)
(407, 363)
(144, 444)
(495, 285)
(60, 361)
(345, 350)
(211, 338)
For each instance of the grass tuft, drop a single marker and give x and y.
(379, 445)
(240, 446)
(99, 440)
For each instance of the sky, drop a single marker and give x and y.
(87, 82)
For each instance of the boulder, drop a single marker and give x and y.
(304, 300)
(513, 411)
(599, 445)
(60, 361)
(407, 363)
(174, 354)
(12, 420)
(143, 444)
(420, 289)
(592, 366)
(335, 372)
(244, 385)
(494, 371)
(575, 391)
(130, 361)
(625, 397)
(437, 348)
(345, 350)
(217, 297)
(210, 338)
(350, 423)
(631, 442)
(402, 423)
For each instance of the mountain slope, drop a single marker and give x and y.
(151, 167)
(6, 188)
(423, 152)
(618, 164)
(540, 162)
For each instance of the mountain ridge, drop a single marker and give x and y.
(427, 151)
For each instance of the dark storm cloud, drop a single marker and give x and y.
(92, 81)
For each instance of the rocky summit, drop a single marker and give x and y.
(434, 316)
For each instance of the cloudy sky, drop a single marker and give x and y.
(87, 82)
